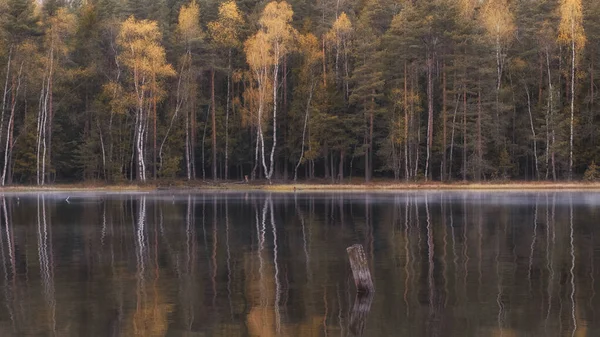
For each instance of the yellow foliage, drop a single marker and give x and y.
(142, 51)
(188, 25)
(498, 20)
(467, 7)
(570, 30)
(226, 30)
(118, 102)
(273, 40)
(309, 45)
(258, 50)
(341, 29)
(275, 22)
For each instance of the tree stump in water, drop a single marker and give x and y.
(360, 269)
(360, 312)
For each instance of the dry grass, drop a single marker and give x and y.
(395, 186)
(379, 185)
(78, 187)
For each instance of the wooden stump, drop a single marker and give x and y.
(360, 269)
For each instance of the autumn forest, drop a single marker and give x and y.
(411, 90)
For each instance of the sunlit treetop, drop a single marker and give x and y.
(341, 29)
(188, 25)
(570, 29)
(257, 49)
(275, 22)
(309, 45)
(142, 49)
(498, 20)
(226, 29)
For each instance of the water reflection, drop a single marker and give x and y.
(252, 264)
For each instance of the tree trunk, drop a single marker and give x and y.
(203, 145)
(326, 163)
(8, 63)
(429, 115)
(226, 176)
(306, 114)
(341, 167)
(214, 124)
(9, 129)
(551, 116)
(417, 127)
(193, 135)
(451, 160)
(572, 103)
(284, 111)
(537, 171)
(370, 156)
(332, 167)
(444, 128)
(465, 131)
(406, 164)
(479, 141)
(154, 167)
(324, 63)
(269, 173)
(187, 145)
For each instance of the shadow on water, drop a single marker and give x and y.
(258, 264)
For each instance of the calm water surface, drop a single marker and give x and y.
(256, 264)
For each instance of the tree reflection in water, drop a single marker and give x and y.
(259, 264)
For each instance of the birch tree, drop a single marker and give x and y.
(144, 57)
(498, 21)
(264, 52)
(225, 32)
(571, 33)
(60, 27)
(190, 33)
(339, 35)
(19, 26)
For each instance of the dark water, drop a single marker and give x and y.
(252, 264)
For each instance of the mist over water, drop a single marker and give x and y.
(260, 264)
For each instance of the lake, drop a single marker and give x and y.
(260, 264)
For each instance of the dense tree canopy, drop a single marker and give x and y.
(118, 90)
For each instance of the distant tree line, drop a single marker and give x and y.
(443, 90)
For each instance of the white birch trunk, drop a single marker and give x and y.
(7, 153)
(275, 75)
(537, 171)
(304, 131)
(5, 90)
(572, 100)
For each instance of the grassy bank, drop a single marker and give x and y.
(315, 186)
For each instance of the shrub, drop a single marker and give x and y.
(591, 174)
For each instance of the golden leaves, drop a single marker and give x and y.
(341, 29)
(467, 7)
(226, 30)
(309, 45)
(570, 30)
(258, 49)
(142, 51)
(498, 20)
(275, 23)
(188, 25)
(275, 37)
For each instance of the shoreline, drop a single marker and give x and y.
(384, 185)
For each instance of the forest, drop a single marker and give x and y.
(410, 90)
